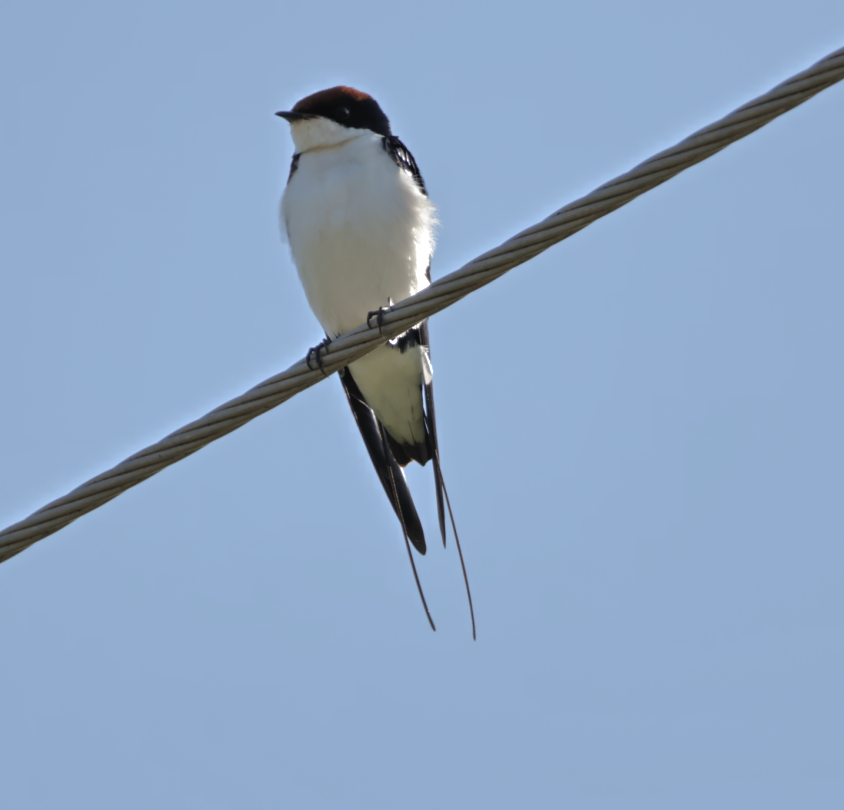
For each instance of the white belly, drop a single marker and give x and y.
(391, 381)
(361, 234)
(360, 231)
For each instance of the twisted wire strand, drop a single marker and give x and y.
(441, 294)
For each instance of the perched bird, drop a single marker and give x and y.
(361, 230)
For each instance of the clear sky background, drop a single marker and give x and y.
(641, 430)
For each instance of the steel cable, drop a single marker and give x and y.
(441, 294)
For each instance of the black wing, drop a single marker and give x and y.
(387, 455)
(389, 472)
(431, 420)
(294, 164)
(404, 160)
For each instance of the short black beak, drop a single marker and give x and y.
(292, 117)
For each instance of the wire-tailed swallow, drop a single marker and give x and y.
(361, 231)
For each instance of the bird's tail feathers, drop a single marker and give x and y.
(443, 500)
(394, 468)
(440, 483)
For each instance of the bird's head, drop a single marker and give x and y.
(333, 116)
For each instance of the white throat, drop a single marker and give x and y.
(321, 133)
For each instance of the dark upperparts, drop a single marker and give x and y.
(346, 106)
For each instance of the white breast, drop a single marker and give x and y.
(360, 230)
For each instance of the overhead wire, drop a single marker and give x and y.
(441, 294)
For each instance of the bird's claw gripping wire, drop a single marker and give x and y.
(378, 314)
(316, 353)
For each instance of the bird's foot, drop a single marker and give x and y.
(378, 314)
(316, 354)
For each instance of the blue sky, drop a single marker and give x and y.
(641, 429)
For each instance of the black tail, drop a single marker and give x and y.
(406, 543)
(431, 420)
(388, 458)
(439, 481)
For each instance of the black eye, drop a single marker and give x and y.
(342, 113)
